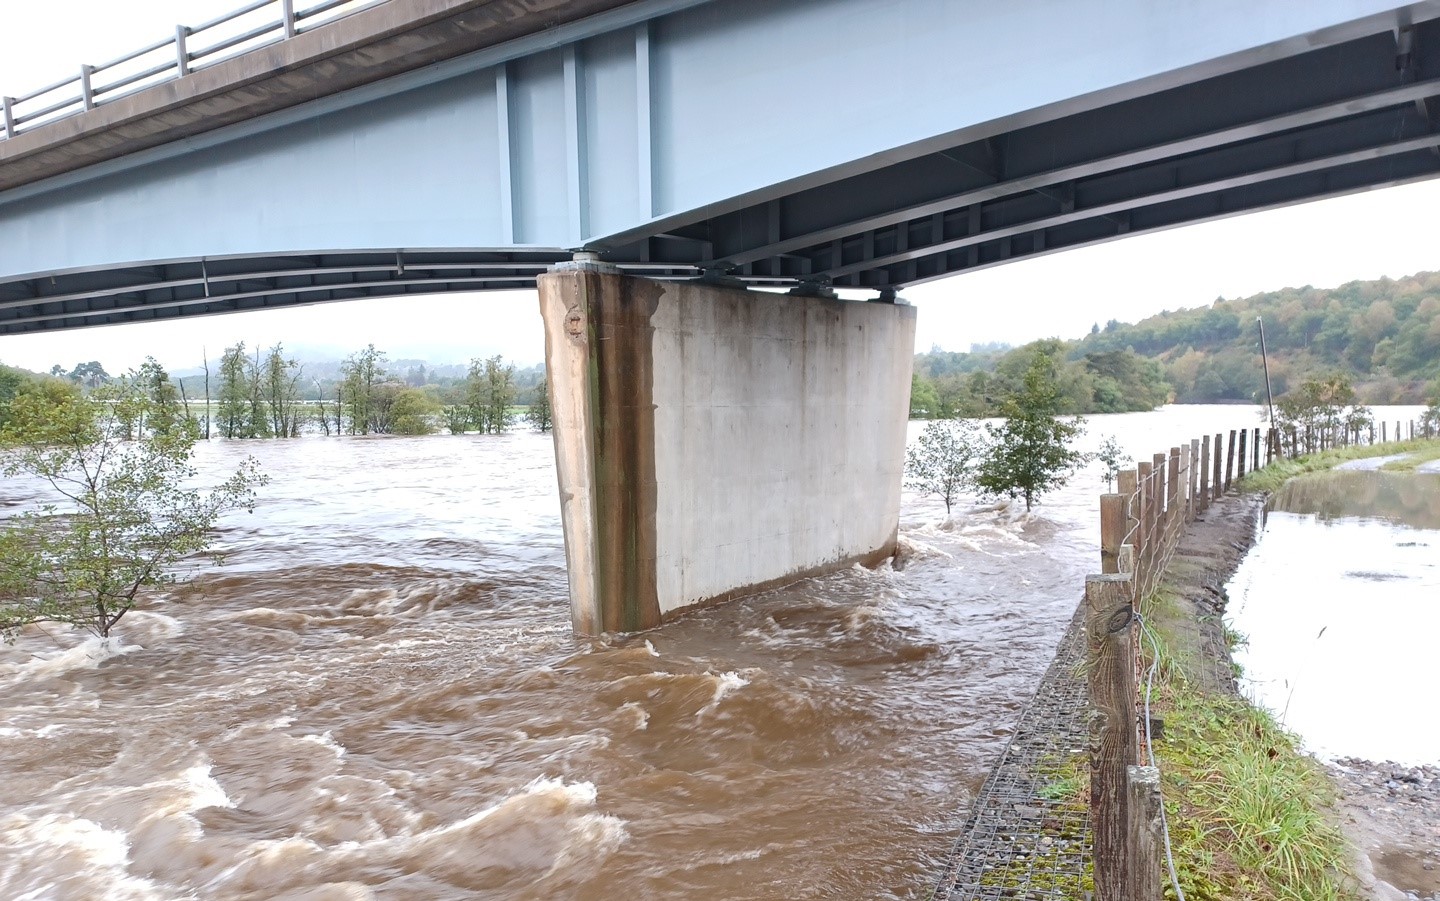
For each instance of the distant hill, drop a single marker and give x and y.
(1383, 334)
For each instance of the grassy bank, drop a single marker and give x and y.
(1429, 450)
(1249, 812)
(1271, 477)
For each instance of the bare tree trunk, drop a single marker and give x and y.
(206, 360)
(184, 401)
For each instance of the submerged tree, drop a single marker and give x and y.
(1030, 452)
(413, 412)
(1321, 413)
(129, 520)
(362, 375)
(232, 409)
(538, 414)
(163, 414)
(281, 390)
(942, 460)
(1113, 457)
(489, 394)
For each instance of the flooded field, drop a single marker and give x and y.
(1340, 602)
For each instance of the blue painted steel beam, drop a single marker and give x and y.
(723, 136)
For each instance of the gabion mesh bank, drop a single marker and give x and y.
(1028, 834)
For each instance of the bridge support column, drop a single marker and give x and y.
(712, 442)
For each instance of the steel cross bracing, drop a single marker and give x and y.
(1349, 108)
(1349, 117)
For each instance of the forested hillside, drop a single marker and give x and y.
(1384, 336)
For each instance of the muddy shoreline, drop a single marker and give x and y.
(1390, 813)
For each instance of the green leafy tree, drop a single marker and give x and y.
(128, 521)
(942, 460)
(362, 374)
(257, 420)
(1030, 451)
(89, 375)
(281, 391)
(1113, 457)
(490, 393)
(414, 412)
(164, 415)
(457, 418)
(11, 382)
(924, 402)
(1430, 419)
(1321, 413)
(538, 414)
(232, 406)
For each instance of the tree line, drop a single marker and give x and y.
(265, 393)
(1381, 336)
(974, 385)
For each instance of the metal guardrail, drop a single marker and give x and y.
(192, 48)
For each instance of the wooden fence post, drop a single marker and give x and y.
(1205, 473)
(1112, 531)
(1146, 837)
(1217, 486)
(1144, 500)
(1194, 480)
(1255, 450)
(1160, 513)
(1113, 744)
(1174, 501)
(1184, 486)
(1240, 457)
(1230, 462)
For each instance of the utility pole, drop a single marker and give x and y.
(1265, 361)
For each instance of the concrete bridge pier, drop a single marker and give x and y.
(712, 442)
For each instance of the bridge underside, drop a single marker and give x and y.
(1352, 114)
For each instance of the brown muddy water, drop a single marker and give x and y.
(379, 697)
(1340, 603)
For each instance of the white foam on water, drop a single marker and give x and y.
(547, 830)
(326, 740)
(858, 617)
(651, 648)
(642, 717)
(725, 683)
(150, 628)
(913, 549)
(41, 853)
(87, 655)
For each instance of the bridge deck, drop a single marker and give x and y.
(774, 142)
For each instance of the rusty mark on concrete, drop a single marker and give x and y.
(622, 402)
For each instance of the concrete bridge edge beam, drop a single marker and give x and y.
(712, 442)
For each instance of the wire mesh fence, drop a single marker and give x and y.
(1028, 834)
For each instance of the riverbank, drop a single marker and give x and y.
(1251, 815)
(1389, 813)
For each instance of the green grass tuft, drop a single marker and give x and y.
(1249, 812)
(1271, 477)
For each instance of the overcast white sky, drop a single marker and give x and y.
(1390, 232)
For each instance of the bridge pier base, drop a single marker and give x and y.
(712, 442)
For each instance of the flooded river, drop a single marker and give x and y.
(379, 696)
(1340, 602)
